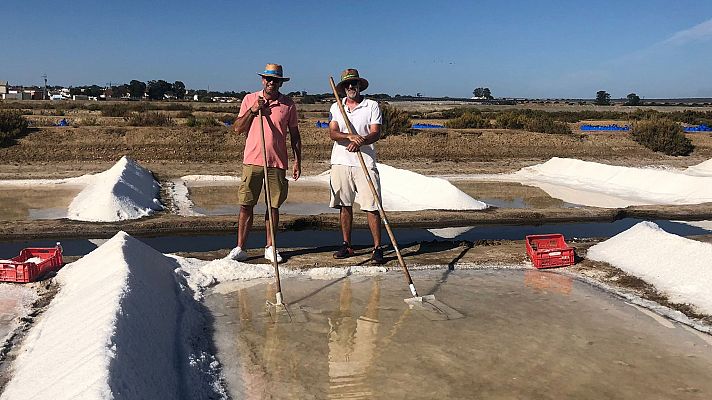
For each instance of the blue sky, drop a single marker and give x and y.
(536, 49)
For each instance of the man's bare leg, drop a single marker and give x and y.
(346, 217)
(275, 218)
(374, 224)
(244, 224)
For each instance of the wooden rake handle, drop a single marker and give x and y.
(268, 200)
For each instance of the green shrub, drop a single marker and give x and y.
(662, 135)
(395, 121)
(530, 120)
(641, 115)
(175, 107)
(88, 120)
(456, 112)
(194, 121)
(469, 120)
(308, 99)
(12, 126)
(509, 120)
(115, 110)
(546, 125)
(149, 119)
(227, 118)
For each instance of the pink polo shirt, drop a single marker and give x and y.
(282, 116)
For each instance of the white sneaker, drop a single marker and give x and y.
(237, 254)
(268, 255)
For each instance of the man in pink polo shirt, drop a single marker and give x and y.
(279, 118)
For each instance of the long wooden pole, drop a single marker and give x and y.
(268, 199)
(381, 211)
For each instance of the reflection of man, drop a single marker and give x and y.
(279, 115)
(352, 345)
(262, 347)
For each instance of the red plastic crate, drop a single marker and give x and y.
(549, 251)
(18, 269)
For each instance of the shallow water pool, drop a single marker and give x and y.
(22, 203)
(526, 334)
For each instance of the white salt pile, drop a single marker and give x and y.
(122, 326)
(677, 266)
(702, 169)
(125, 191)
(601, 185)
(404, 190)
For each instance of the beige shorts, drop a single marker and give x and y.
(251, 186)
(349, 184)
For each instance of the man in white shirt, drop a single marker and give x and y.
(348, 181)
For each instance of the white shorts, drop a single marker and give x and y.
(349, 183)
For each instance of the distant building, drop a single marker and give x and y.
(3, 87)
(17, 95)
(225, 99)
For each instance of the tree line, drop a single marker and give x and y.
(154, 90)
(604, 99)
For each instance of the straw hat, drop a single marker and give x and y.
(273, 71)
(351, 74)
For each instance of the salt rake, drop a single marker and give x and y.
(432, 308)
(278, 311)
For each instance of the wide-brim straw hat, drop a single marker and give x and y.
(351, 74)
(273, 71)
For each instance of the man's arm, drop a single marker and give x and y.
(372, 137)
(336, 135)
(244, 121)
(374, 133)
(296, 141)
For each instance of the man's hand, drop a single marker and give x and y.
(259, 104)
(358, 140)
(353, 147)
(296, 170)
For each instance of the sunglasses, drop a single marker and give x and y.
(353, 83)
(271, 79)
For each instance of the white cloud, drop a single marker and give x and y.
(698, 32)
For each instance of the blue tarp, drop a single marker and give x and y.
(615, 127)
(698, 128)
(320, 124)
(427, 126)
(612, 127)
(63, 122)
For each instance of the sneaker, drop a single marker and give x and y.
(377, 256)
(268, 255)
(344, 251)
(237, 254)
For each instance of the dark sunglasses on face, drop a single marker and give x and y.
(351, 83)
(271, 79)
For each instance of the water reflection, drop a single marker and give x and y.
(526, 334)
(352, 344)
(547, 281)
